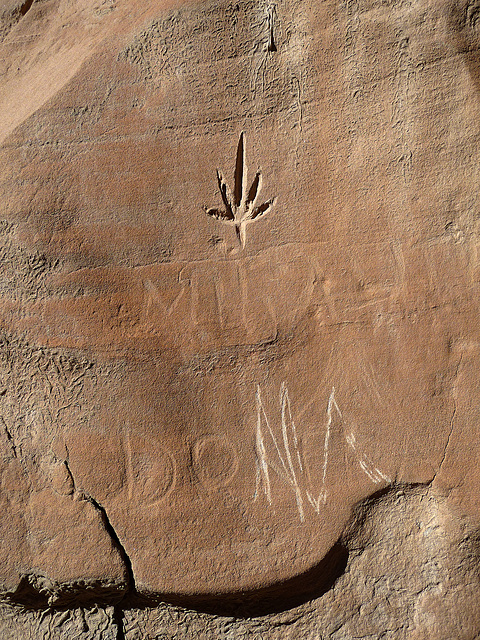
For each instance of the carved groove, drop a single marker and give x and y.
(241, 205)
(26, 6)
(271, 46)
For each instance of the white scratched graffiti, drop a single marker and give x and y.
(287, 461)
(322, 497)
(285, 466)
(366, 464)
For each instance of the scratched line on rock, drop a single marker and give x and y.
(365, 463)
(322, 496)
(279, 454)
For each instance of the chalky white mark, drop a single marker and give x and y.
(322, 497)
(331, 403)
(365, 463)
(287, 460)
(262, 465)
(285, 405)
(284, 467)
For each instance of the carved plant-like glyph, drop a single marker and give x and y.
(241, 206)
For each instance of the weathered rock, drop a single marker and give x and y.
(239, 296)
(411, 563)
(75, 623)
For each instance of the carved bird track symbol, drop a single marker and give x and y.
(241, 206)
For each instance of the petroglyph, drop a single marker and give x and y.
(271, 17)
(241, 205)
(150, 470)
(215, 461)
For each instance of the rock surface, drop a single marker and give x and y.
(239, 320)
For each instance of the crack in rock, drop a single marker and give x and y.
(452, 421)
(116, 541)
(127, 563)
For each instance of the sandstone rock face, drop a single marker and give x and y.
(239, 333)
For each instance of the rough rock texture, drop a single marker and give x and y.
(239, 321)
(410, 566)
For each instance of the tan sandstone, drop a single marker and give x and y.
(239, 319)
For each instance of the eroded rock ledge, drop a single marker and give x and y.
(433, 563)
